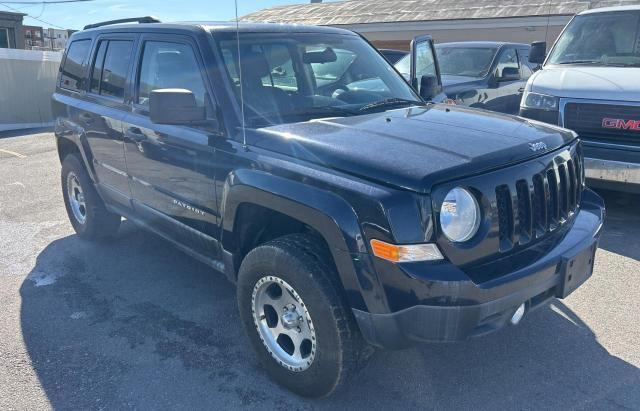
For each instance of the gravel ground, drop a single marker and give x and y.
(137, 324)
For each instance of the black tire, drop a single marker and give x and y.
(99, 223)
(300, 261)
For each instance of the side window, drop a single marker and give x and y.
(508, 59)
(525, 70)
(169, 65)
(4, 38)
(73, 69)
(97, 67)
(425, 64)
(116, 66)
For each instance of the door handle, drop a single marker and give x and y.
(135, 134)
(521, 90)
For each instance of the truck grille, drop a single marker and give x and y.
(586, 120)
(529, 208)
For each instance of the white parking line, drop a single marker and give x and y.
(13, 153)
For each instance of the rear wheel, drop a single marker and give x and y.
(296, 317)
(87, 213)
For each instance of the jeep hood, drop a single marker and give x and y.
(598, 83)
(413, 148)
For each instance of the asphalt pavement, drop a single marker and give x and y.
(135, 323)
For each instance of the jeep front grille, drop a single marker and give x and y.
(529, 208)
(522, 205)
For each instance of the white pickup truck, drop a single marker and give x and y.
(590, 83)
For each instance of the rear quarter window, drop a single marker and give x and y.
(72, 77)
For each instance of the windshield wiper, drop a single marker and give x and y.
(389, 102)
(273, 117)
(580, 62)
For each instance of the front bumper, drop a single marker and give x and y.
(483, 308)
(611, 166)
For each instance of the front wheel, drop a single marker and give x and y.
(296, 318)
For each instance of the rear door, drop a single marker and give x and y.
(101, 117)
(170, 165)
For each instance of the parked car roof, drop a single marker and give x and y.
(481, 44)
(223, 26)
(613, 8)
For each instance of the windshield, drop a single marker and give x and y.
(602, 39)
(304, 76)
(465, 61)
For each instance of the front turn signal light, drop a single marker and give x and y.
(405, 253)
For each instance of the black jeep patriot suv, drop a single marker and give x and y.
(345, 215)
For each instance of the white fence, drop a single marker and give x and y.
(27, 81)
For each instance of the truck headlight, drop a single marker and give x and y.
(539, 101)
(459, 215)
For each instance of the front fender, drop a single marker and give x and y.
(327, 213)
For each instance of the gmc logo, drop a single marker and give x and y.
(621, 124)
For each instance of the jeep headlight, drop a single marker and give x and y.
(459, 215)
(539, 101)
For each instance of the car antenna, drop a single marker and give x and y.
(244, 133)
(546, 33)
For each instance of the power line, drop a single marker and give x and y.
(35, 18)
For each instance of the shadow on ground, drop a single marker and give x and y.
(622, 224)
(136, 323)
(24, 132)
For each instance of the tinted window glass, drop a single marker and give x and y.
(425, 63)
(169, 65)
(508, 58)
(4, 39)
(116, 65)
(72, 71)
(404, 65)
(465, 61)
(97, 67)
(525, 70)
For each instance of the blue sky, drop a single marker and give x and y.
(76, 15)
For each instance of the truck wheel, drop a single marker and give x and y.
(296, 317)
(88, 215)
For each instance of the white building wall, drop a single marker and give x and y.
(27, 81)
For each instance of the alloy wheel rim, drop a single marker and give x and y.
(76, 198)
(283, 323)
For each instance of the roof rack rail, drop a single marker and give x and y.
(146, 19)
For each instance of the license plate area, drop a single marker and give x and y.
(576, 270)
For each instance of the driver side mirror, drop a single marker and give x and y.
(174, 106)
(538, 52)
(429, 87)
(509, 74)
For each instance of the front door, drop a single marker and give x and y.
(424, 63)
(506, 84)
(171, 165)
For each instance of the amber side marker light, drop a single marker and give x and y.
(405, 253)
